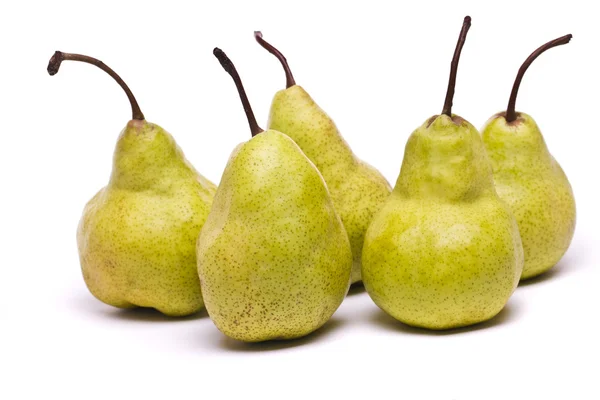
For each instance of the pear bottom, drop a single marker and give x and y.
(167, 311)
(531, 273)
(534, 186)
(442, 325)
(103, 287)
(270, 332)
(439, 266)
(537, 266)
(136, 250)
(274, 259)
(545, 213)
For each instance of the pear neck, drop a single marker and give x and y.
(146, 156)
(317, 135)
(430, 169)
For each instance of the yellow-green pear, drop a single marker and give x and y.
(137, 236)
(530, 180)
(358, 190)
(273, 257)
(444, 251)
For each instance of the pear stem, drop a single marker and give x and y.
(59, 57)
(288, 73)
(447, 110)
(511, 114)
(230, 68)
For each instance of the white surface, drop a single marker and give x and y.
(379, 71)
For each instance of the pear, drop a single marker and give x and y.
(137, 236)
(530, 180)
(273, 257)
(358, 190)
(444, 251)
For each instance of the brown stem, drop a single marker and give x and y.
(59, 57)
(230, 68)
(288, 73)
(511, 114)
(454, 66)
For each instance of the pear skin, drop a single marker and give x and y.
(273, 257)
(137, 236)
(444, 251)
(530, 180)
(535, 187)
(358, 190)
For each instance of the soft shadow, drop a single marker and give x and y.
(150, 315)
(356, 288)
(566, 265)
(555, 272)
(227, 343)
(379, 317)
(91, 306)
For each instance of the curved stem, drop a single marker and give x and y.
(447, 110)
(288, 73)
(59, 57)
(511, 114)
(230, 68)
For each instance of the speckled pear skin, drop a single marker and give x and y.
(444, 251)
(273, 257)
(137, 236)
(534, 186)
(358, 190)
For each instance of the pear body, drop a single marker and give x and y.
(274, 259)
(358, 190)
(535, 187)
(444, 251)
(137, 235)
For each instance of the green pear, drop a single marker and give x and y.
(273, 257)
(530, 180)
(444, 251)
(137, 236)
(358, 190)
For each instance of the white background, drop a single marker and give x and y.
(379, 70)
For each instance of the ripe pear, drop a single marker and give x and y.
(273, 257)
(530, 180)
(358, 190)
(137, 236)
(444, 251)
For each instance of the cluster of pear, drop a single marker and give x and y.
(297, 218)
